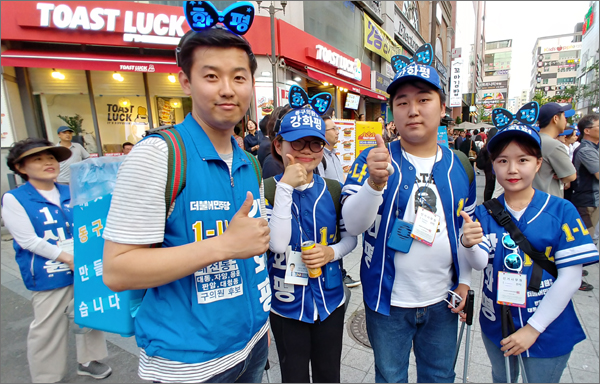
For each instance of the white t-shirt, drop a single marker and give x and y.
(424, 274)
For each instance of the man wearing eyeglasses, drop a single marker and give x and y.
(331, 168)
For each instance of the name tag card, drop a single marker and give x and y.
(67, 246)
(295, 272)
(512, 289)
(425, 227)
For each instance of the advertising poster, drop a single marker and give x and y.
(263, 94)
(442, 136)
(345, 147)
(7, 131)
(365, 134)
(166, 113)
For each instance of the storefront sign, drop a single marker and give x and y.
(405, 32)
(346, 67)
(139, 27)
(389, 70)
(561, 48)
(455, 84)
(589, 20)
(494, 84)
(379, 82)
(378, 41)
(441, 70)
(8, 137)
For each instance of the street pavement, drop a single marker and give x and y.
(357, 360)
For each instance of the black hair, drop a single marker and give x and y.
(255, 125)
(326, 117)
(126, 143)
(527, 144)
(236, 130)
(262, 125)
(586, 122)
(213, 37)
(20, 147)
(276, 115)
(421, 85)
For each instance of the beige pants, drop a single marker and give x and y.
(47, 346)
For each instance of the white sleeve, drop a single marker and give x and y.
(280, 222)
(476, 257)
(360, 209)
(19, 225)
(345, 246)
(558, 296)
(465, 270)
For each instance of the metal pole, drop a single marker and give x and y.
(147, 90)
(88, 77)
(273, 55)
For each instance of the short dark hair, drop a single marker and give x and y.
(545, 123)
(213, 37)
(21, 147)
(277, 114)
(236, 130)
(326, 117)
(586, 122)
(126, 143)
(421, 85)
(528, 145)
(262, 125)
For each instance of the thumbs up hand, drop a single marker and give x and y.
(472, 232)
(377, 162)
(294, 174)
(247, 236)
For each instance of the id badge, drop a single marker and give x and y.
(67, 246)
(295, 272)
(425, 227)
(512, 289)
(399, 239)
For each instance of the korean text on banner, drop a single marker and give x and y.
(455, 79)
(442, 138)
(365, 134)
(378, 41)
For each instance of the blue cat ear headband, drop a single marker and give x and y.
(201, 15)
(298, 99)
(527, 115)
(423, 55)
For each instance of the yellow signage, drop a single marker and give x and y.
(378, 41)
(365, 134)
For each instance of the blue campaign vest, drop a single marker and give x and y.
(314, 209)
(377, 269)
(542, 224)
(51, 223)
(215, 311)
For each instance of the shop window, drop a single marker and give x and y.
(410, 9)
(121, 108)
(169, 104)
(545, 81)
(64, 94)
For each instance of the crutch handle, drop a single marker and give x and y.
(469, 307)
(505, 315)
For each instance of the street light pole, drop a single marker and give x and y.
(273, 57)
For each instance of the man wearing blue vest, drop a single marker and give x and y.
(406, 278)
(204, 316)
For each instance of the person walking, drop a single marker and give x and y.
(545, 323)
(204, 316)
(307, 317)
(78, 153)
(39, 217)
(404, 295)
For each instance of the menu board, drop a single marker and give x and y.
(166, 113)
(345, 147)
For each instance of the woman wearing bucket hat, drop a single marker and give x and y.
(39, 217)
(524, 313)
(307, 313)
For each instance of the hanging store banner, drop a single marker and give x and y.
(378, 41)
(455, 78)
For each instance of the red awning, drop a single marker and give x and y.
(89, 61)
(324, 77)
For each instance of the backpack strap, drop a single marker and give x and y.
(464, 160)
(256, 166)
(270, 186)
(503, 218)
(177, 165)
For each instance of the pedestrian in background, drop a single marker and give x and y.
(252, 138)
(127, 147)
(39, 217)
(237, 137)
(265, 143)
(78, 153)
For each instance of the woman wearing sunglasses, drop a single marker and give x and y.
(546, 325)
(307, 313)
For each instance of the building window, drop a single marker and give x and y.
(545, 81)
(411, 11)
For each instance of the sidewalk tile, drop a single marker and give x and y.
(351, 375)
(358, 359)
(580, 376)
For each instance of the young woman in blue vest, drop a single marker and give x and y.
(307, 320)
(39, 217)
(546, 325)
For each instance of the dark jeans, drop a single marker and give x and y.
(320, 343)
(490, 185)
